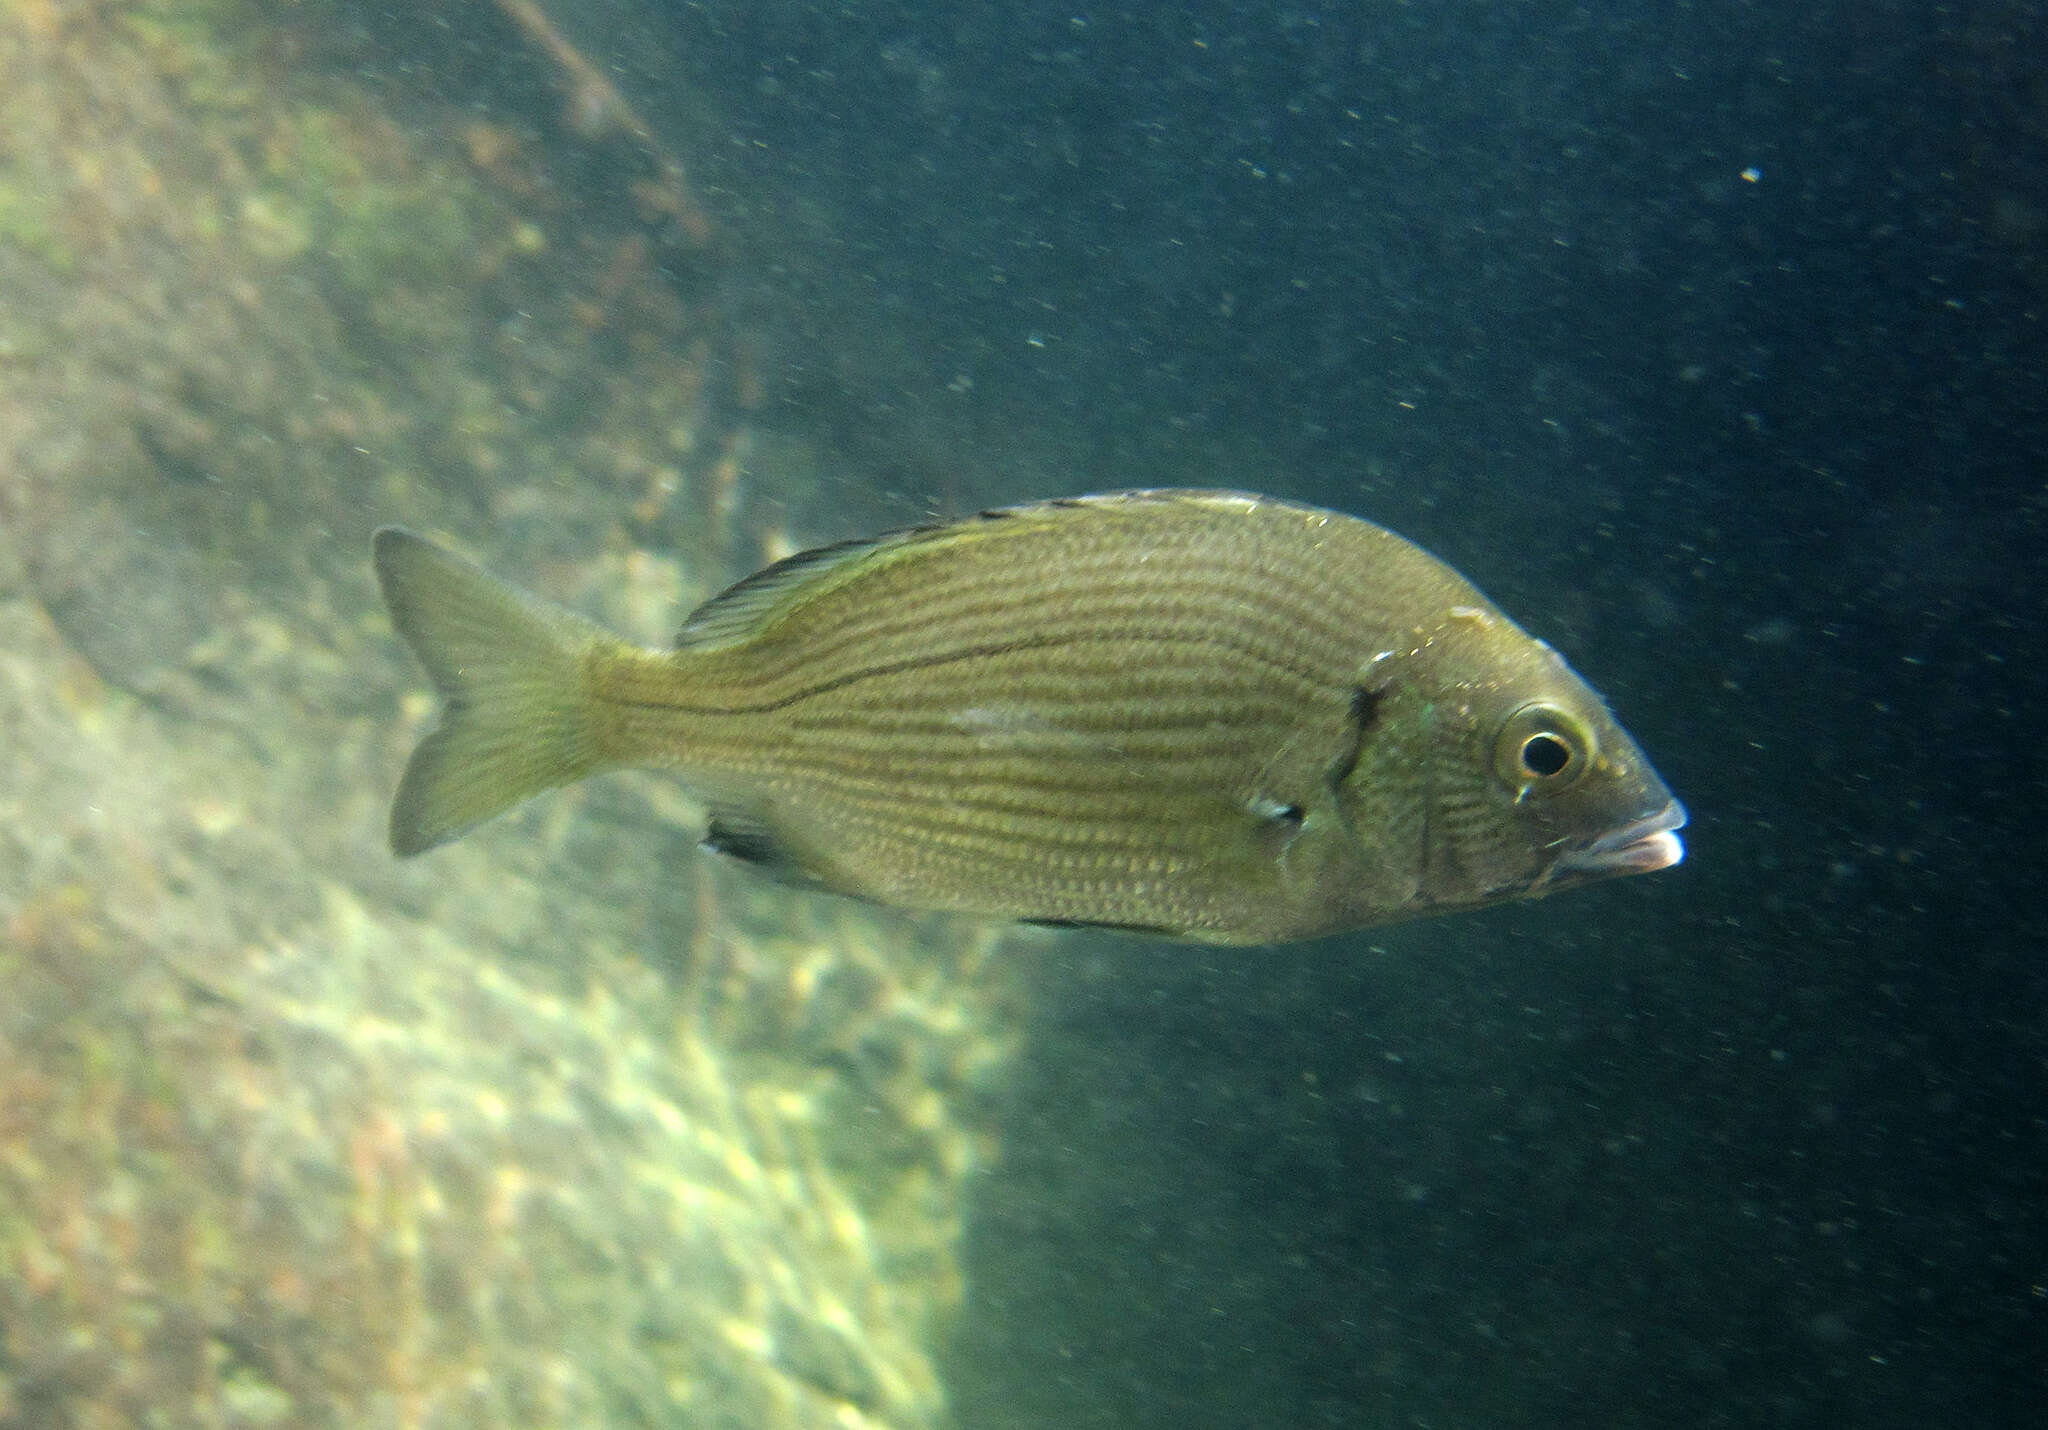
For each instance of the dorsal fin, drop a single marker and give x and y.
(743, 607)
(737, 612)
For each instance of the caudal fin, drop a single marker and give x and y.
(510, 668)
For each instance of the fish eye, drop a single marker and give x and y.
(1544, 755)
(1542, 749)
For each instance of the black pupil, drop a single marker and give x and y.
(1545, 755)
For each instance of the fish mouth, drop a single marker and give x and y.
(1641, 846)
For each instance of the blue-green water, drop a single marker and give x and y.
(1707, 339)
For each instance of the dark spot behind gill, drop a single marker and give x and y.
(1365, 714)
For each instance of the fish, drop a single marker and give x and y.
(1211, 715)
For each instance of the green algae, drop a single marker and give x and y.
(30, 223)
(207, 48)
(375, 224)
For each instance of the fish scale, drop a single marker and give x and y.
(1089, 589)
(1208, 714)
(1056, 733)
(1087, 618)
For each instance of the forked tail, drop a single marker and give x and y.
(510, 667)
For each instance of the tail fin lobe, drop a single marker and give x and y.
(517, 718)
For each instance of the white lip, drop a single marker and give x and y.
(1641, 846)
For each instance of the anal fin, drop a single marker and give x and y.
(743, 835)
(1150, 930)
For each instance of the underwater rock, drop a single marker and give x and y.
(289, 1135)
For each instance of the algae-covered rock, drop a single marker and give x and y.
(562, 1126)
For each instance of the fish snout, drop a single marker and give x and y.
(1641, 846)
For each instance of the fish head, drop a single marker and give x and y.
(1504, 775)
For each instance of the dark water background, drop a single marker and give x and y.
(1708, 338)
